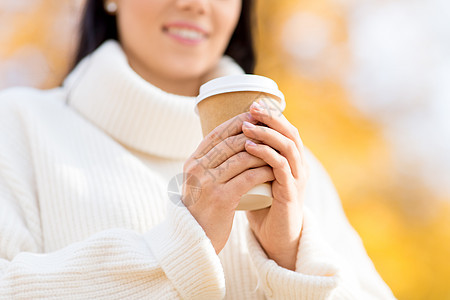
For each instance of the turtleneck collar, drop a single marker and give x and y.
(106, 91)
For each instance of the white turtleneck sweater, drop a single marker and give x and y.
(85, 211)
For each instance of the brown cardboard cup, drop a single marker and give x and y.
(226, 97)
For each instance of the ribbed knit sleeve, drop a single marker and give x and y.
(331, 260)
(173, 260)
(316, 278)
(187, 257)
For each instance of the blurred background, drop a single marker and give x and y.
(367, 84)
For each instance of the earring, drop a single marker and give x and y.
(111, 7)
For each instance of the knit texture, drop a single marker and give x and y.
(85, 211)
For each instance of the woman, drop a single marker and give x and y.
(84, 171)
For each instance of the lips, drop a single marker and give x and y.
(186, 32)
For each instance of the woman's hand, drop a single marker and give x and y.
(278, 228)
(217, 174)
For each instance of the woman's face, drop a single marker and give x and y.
(175, 40)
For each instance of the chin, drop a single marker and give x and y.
(189, 71)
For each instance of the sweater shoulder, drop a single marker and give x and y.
(317, 171)
(321, 194)
(16, 97)
(19, 108)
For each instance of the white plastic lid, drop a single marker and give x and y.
(237, 83)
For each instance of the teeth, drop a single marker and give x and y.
(186, 33)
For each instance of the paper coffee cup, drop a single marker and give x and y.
(226, 97)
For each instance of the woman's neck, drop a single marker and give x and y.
(183, 87)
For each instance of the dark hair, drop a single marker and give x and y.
(98, 26)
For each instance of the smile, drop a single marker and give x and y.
(186, 33)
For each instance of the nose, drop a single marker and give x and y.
(195, 6)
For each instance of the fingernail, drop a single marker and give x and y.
(248, 125)
(257, 106)
(250, 143)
